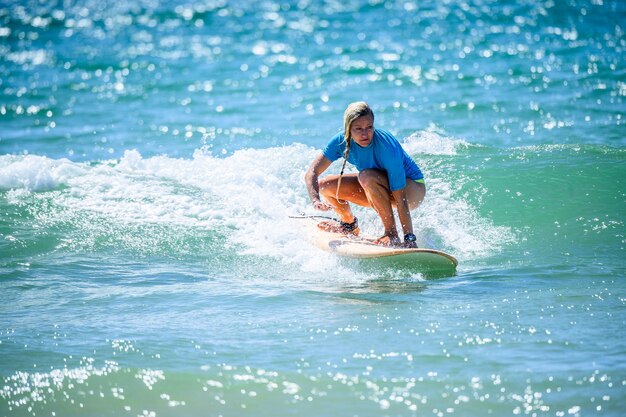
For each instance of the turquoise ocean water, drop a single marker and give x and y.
(151, 153)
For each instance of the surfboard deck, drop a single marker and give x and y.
(361, 247)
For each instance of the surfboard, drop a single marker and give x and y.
(362, 248)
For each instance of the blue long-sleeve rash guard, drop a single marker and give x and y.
(384, 153)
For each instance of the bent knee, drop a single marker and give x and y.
(416, 194)
(369, 177)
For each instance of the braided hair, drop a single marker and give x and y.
(353, 112)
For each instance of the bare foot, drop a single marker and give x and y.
(388, 240)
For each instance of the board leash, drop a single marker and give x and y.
(312, 216)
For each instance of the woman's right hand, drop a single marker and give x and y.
(322, 205)
(319, 165)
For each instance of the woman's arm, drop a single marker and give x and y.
(318, 166)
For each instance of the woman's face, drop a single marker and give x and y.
(362, 130)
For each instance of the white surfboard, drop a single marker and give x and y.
(361, 247)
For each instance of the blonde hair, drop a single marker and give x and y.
(353, 112)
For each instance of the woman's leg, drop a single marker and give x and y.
(375, 184)
(378, 195)
(376, 188)
(415, 193)
(349, 192)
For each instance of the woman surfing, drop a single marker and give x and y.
(387, 177)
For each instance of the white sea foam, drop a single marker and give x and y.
(444, 213)
(35, 173)
(459, 226)
(433, 141)
(247, 196)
